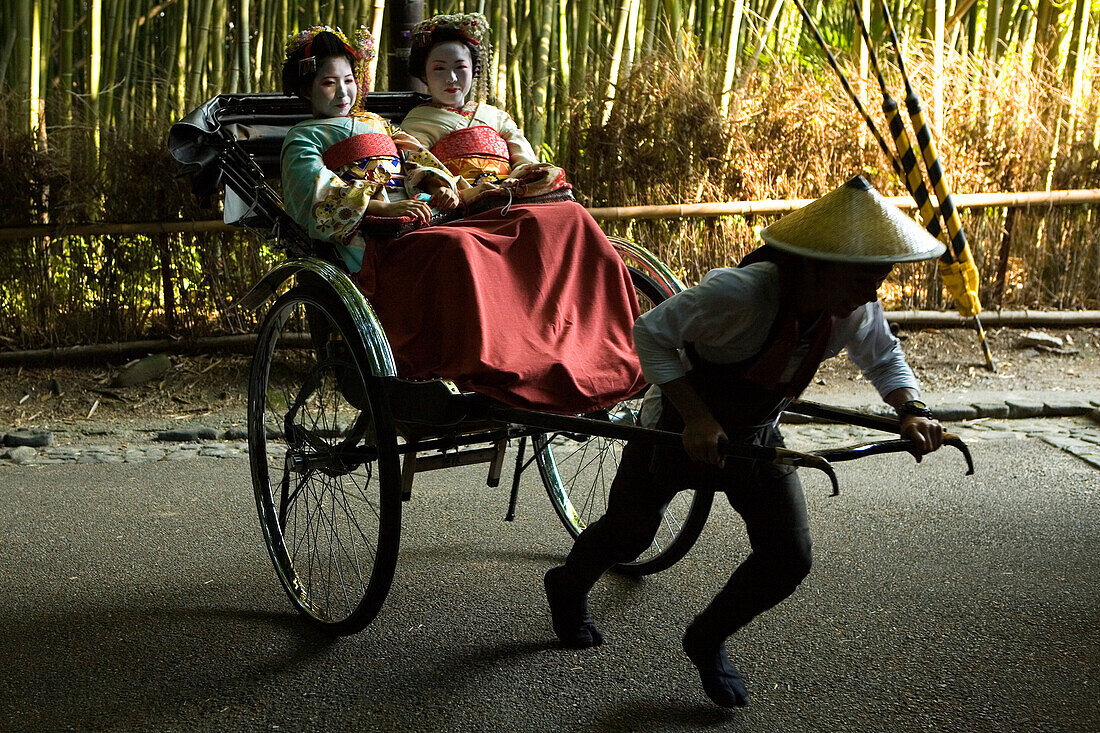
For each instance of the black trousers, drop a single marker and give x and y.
(768, 498)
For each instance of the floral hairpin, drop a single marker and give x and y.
(474, 27)
(361, 45)
(305, 38)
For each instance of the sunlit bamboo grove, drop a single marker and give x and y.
(125, 63)
(643, 102)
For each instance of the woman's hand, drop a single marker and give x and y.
(530, 172)
(410, 207)
(444, 198)
(473, 193)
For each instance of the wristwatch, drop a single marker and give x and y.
(915, 408)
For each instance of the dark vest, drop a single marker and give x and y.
(747, 396)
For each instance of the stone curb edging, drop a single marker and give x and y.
(23, 446)
(1011, 409)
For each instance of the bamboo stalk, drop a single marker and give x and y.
(649, 39)
(214, 69)
(630, 45)
(675, 19)
(581, 49)
(129, 86)
(537, 127)
(1046, 33)
(992, 29)
(622, 18)
(961, 8)
(498, 86)
(111, 44)
(198, 53)
(518, 107)
(244, 50)
(350, 17)
(6, 51)
(95, 42)
(23, 61)
(180, 77)
(936, 113)
(378, 12)
(732, 50)
(37, 104)
(65, 63)
(557, 122)
(750, 67)
(260, 52)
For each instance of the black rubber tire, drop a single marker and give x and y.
(325, 469)
(577, 472)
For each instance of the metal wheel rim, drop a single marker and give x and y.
(322, 500)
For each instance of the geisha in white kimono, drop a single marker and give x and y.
(481, 144)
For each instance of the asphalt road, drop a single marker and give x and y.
(140, 597)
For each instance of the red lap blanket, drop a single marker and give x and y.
(533, 308)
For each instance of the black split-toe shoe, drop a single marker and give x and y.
(721, 682)
(569, 612)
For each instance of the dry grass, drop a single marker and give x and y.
(794, 134)
(75, 290)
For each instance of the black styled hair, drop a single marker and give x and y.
(418, 56)
(296, 77)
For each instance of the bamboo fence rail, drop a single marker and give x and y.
(1024, 199)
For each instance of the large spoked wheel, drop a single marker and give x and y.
(577, 471)
(324, 462)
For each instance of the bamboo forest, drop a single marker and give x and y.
(642, 102)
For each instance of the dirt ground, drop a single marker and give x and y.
(210, 390)
(951, 360)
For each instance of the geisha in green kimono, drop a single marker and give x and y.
(346, 163)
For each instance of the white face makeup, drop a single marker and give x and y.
(333, 90)
(449, 73)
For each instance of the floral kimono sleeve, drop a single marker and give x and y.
(419, 163)
(327, 206)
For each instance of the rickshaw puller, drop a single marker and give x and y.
(755, 336)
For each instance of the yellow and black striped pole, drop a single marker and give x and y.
(957, 264)
(910, 173)
(957, 268)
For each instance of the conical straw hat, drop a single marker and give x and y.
(853, 223)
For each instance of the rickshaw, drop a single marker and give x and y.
(336, 435)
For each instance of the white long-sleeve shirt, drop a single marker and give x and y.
(729, 314)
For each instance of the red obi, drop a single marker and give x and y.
(480, 143)
(359, 147)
